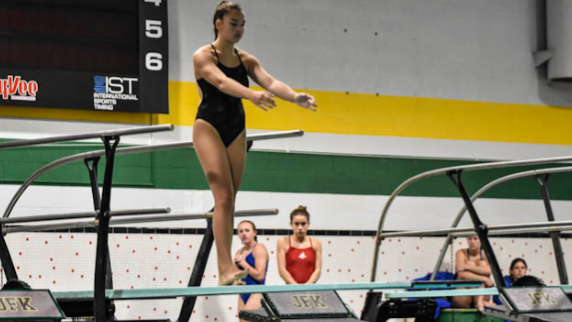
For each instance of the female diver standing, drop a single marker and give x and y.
(219, 136)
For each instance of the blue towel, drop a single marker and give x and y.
(442, 303)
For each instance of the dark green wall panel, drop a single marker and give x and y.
(274, 172)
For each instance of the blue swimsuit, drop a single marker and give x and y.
(248, 279)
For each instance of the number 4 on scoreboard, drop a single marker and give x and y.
(156, 2)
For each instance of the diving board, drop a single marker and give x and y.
(442, 293)
(163, 293)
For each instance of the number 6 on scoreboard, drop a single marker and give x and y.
(154, 61)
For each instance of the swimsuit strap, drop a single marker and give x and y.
(214, 49)
(238, 54)
(480, 254)
(310, 239)
(243, 248)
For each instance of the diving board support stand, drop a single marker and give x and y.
(93, 180)
(480, 228)
(92, 166)
(102, 309)
(198, 271)
(542, 181)
(5, 257)
(102, 305)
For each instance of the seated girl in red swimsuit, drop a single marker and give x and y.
(299, 256)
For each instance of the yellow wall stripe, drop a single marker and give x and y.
(363, 114)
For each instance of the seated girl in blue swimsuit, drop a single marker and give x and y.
(253, 257)
(518, 277)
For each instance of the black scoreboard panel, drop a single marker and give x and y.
(84, 54)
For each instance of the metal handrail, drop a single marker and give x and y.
(546, 229)
(480, 192)
(85, 136)
(178, 217)
(431, 173)
(432, 232)
(135, 149)
(123, 221)
(87, 214)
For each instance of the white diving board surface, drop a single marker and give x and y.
(566, 288)
(158, 293)
(442, 293)
(451, 292)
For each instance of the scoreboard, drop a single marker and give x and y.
(109, 55)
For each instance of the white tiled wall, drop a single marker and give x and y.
(63, 262)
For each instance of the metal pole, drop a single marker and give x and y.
(130, 212)
(198, 271)
(87, 214)
(208, 215)
(480, 193)
(518, 231)
(93, 180)
(85, 136)
(91, 165)
(542, 181)
(481, 229)
(7, 263)
(432, 232)
(103, 310)
(427, 174)
(136, 149)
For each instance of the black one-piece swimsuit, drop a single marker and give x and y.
(224, 112)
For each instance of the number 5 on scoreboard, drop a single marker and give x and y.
(153, 28)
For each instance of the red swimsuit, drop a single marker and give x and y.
(300, 262)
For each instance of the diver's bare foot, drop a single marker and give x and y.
(232, 278)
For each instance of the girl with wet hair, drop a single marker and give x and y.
(518, 269)
(472, 264)
(252, 257)
(299, 256)
(219, 134)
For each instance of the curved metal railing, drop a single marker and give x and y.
(136, 149)
(482, 191)
(431, 173)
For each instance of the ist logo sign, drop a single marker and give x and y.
(109, 90)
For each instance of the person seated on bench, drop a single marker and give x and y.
(517, 277)
(472, 264)
(254, 258)
(518, 269)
